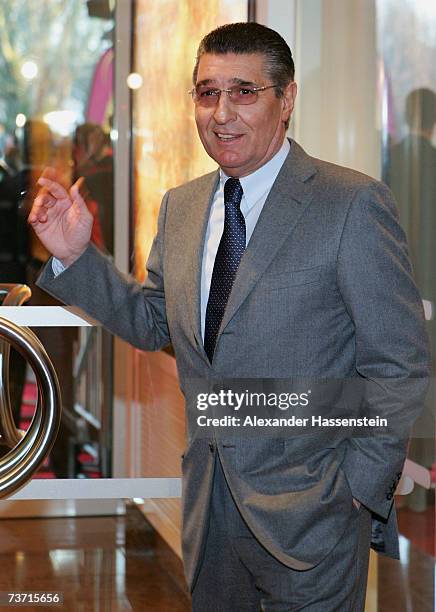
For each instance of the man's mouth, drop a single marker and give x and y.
(227, 137)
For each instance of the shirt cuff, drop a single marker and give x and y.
(57, 266)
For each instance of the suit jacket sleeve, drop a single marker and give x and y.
(135, 313)
(392, 355)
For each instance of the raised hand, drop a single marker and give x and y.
(60, 218)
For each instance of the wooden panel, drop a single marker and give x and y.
(162, 436)
(162, 415)
(165, 516)
(153, 438)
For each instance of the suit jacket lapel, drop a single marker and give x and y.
(286, 202)
(200, 205)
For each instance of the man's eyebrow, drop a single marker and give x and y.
(204, 82)
(243, 82)
(235, 80)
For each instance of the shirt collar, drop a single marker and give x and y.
(256, 184)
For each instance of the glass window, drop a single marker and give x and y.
(56, 107)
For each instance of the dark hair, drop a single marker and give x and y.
(251, 37)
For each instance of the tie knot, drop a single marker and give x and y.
(232, 191)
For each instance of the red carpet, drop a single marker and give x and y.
(28, 406)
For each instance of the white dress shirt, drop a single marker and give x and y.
(255, 187)
(57, 266)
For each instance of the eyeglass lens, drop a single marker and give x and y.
(209, 96)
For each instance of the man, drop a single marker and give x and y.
(279, 266)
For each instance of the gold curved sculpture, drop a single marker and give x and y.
(28, 449)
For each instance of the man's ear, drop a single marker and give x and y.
(288, 100)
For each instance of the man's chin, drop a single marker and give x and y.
(229, 163)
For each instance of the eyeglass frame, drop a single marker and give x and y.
(228, 91)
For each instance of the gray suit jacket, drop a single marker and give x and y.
(324, 290)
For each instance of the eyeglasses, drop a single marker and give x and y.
(238, 94)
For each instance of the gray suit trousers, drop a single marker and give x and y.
(238, 574)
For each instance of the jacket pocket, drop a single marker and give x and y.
(293, 278)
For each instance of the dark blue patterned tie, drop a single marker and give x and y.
(230, 250)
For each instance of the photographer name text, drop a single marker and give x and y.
(292, 421)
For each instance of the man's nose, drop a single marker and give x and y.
(224, 110)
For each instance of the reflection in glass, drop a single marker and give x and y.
(407, 49)
(56, 106)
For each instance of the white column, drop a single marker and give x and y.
(122, 174)
(122, 115)
(337, 109)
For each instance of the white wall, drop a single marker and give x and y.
(280, 15)
(334, 46)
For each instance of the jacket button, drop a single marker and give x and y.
(211, 447)
(389, 496)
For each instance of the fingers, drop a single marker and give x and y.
(57, 175)
(45, 199)
(75, 194)
(53, 193)
(54, 188)
(40, 207)
(37, 216)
